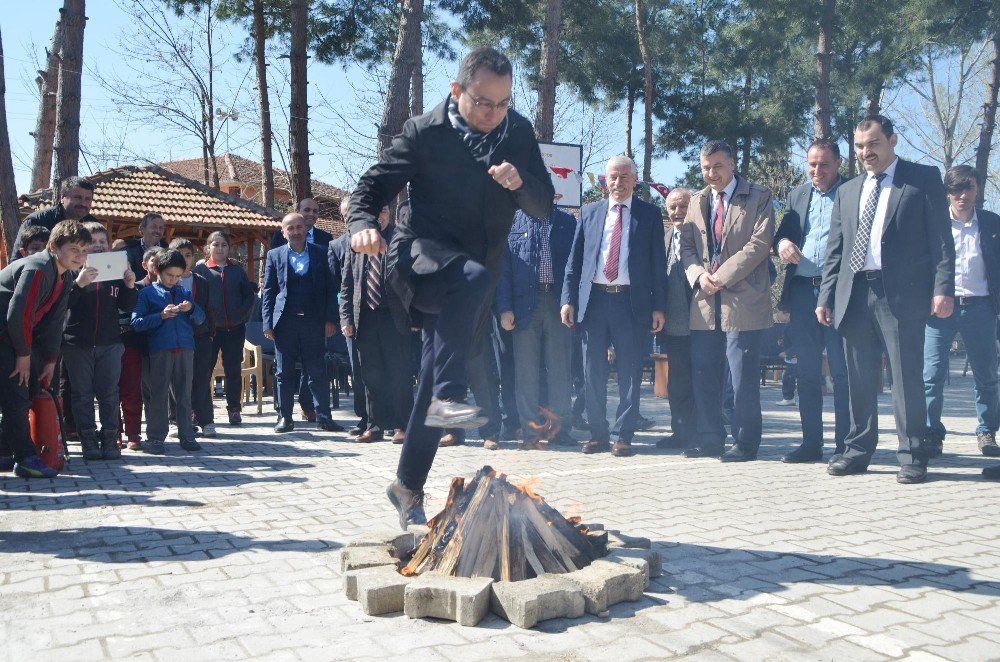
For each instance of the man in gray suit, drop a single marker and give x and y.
(890, 263)
(676, 335)
(801, 243)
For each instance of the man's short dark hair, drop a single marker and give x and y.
(181, 243)
(483, 58)
(148, 217)
(713, 146)
(69, 232)
(35, 233)
(150, 253)
(169, 258)
(825, 143)
(960, 178)
(871, 120)
(71, 183)
(94, 227)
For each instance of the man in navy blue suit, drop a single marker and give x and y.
(299, 311)
(615, 288)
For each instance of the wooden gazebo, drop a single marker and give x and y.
(191, 210)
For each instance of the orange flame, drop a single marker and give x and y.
(550, 425)
(527, 488)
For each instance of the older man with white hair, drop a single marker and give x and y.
(616, 289)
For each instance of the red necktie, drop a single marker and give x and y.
(611, 266)
(720, 217)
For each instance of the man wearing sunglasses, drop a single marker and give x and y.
(470, 163)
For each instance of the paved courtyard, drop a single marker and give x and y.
(234, 552)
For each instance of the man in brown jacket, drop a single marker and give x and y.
(725, 242)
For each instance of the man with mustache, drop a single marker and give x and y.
(75, 200)
(890, 264)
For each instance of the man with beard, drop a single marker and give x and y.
(75, 200)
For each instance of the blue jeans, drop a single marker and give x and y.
(978, 325)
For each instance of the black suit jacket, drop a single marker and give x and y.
(793, 228)
(275, 289)
(457, 210)
(918, 252)
(321, 238)
(336, 254)
(352, 292)
(989, 245)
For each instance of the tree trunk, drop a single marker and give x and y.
(744, 164)
(9, 219)
(210, 101)
(873, 105)
(45, 125)
(989, 121)
(263, 105)
(417, 79)
(404, 58)
(298, 124)
(647, 68)
(824, 57)
(629, 109)
(67, 140)
(547, 72)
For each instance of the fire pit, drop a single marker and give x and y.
(499, 546)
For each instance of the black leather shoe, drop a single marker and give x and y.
(704, 451)
(408, 503)
(847, 466)
(911, 473)
(934, 447)
(836, 456)
(329, 425)
(673, 442)
(803, 454)
(284, 425)
(355, 431)
(737, 454)
(992, 473)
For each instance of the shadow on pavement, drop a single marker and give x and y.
(117, 544)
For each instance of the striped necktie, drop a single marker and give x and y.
(859, 252)
(611, 266)
(373, 281)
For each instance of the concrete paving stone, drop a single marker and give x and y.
(768, 645)
(651, 557)
(462, 599)
(355, 558)
(605, 583)
(973, 648)
(381, 590)
(526, 603)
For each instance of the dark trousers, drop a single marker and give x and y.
(485, 384)
(358, 382)
(609, 322)
(302, 340)
(168, 374)
(130, 392)
(230, 343)
(810, 339)
(710, 353)
(95, 372)
(384, 355)
(543, 342)
(503, 342)
(451, 301)
(867, 325)
(680, 393)
(788, 381)
(579, 384)
(977, 323)
(15, 401)
(201, 382)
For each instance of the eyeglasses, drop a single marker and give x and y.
(486, 104)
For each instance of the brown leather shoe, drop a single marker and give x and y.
(399, 437)
(491, 444)
(594, 446)
(532, 445)
(621, 448)
(450, 439)
(370, 435)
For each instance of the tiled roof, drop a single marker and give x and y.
(129, 192)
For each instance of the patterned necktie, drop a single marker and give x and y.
(611, 266)
(720, 218)
(545, 261)
(373, 281)
(859, 252)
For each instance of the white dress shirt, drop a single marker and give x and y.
(970, 269)
(714, 199)
(873, 262)
(609, 227)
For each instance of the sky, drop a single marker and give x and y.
(341, 122)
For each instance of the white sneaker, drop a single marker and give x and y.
(785, 403)
(208, 430)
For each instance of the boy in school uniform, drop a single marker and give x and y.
(131, 389)
(33, 240)
(166, 313)
(92, 350)
(34, 292)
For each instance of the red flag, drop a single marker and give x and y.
(603, 181)
(660, 188)
(561, 173)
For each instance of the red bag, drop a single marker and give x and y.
(45, 419)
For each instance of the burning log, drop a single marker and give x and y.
(492, 528)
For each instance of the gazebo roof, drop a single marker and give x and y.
(128, 193)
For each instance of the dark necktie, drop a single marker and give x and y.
(611, 266)
(373, 281)
(859, 253)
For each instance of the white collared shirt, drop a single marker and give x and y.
(970, 268)
(873, 262)
(714, 200)
(609, 227)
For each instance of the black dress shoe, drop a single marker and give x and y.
(911, 473)
(934, 447)
(355, 431)
(284, 425)
(847, 466)
(704, 451)
(673, 441)
(803, 454)
(737, 454)
(992, 473)
(836, 456)
(329, 425)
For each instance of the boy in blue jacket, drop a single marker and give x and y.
(167, 314)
